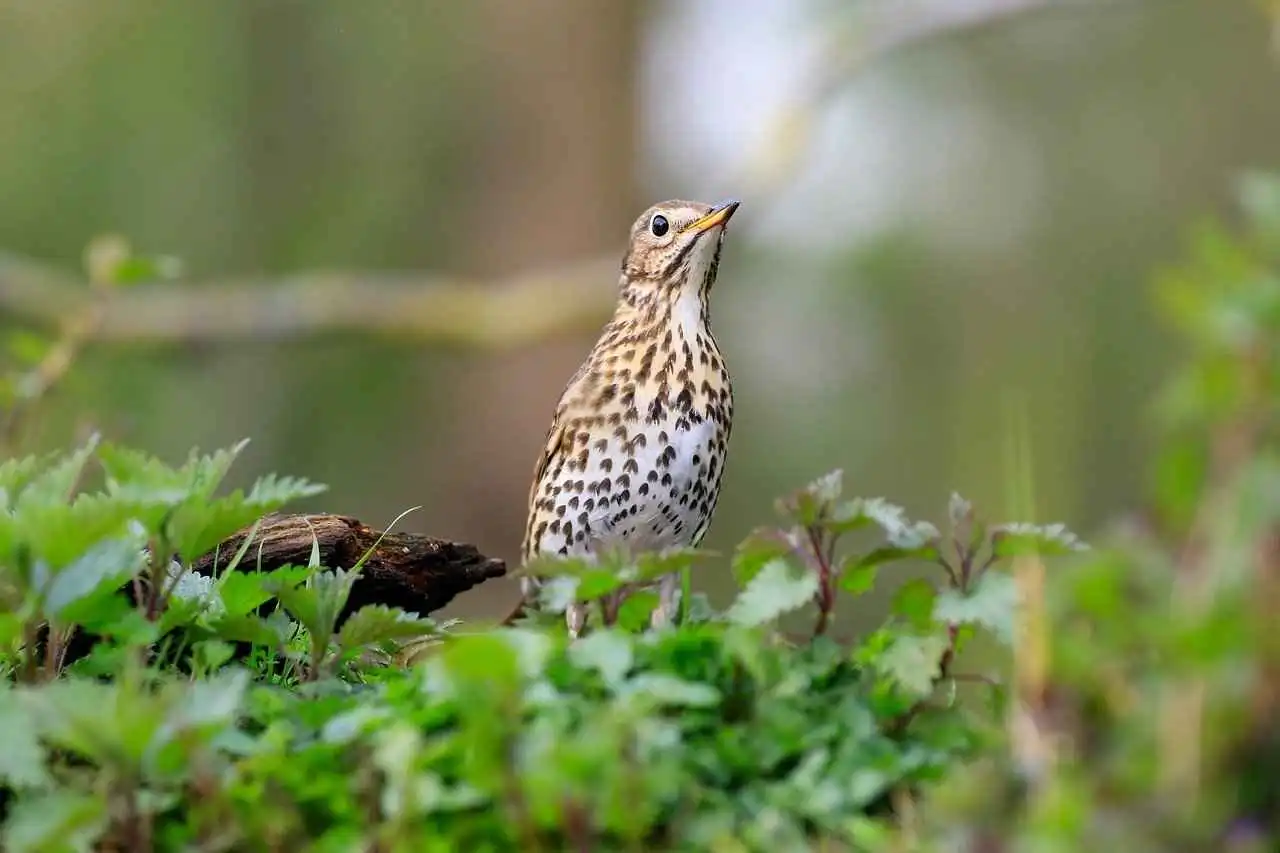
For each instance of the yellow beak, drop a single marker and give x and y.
(719, 215)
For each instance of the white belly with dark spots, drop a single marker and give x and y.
(648, 505)
(669, 514)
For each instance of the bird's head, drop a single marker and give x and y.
(675, 250)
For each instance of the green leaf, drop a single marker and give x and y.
(317, 603)
(56, 483)
(889, 554)
(914, 602)
(776, 590)
(16, 473)
(636, 609)
(60, 533)
(553, 566)
(22, 759)
(913, 662)
(213, 701)
(859, 578)
(650, 565)
(810, 505)
(662, 689)
(605, 651)
(100, 570)
(60, 820)
(110, 724)
(990, 603)
(557, 593)
(377, 623)
(243, 591)
(762, 546)
(212, 655)
(247, 629)
(1048, 540)
(597, 583)
(899, 531)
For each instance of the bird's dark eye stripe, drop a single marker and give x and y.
(658, 225)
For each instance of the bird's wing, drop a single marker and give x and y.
(552, 449)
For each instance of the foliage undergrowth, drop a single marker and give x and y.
(160, 737)
(1133, 711)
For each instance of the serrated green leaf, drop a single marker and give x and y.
(317, 603)
(651, 565)
(886, 554)
(490, 661)
(196, 527)
(16, 473)
(597, 583)
(1047, 540)
(557, 593)
(899, 531)
(211, 701)
(662, 689)
(776, 590)
(809, 505)
(145, 477)
(245, 628)
(377, 623)
(211, 655)
(243, 591)
(991, 604)
(99, 571)
(759, 548)
(636, 609)
(271, 492)
(60, 820)
(56, 483)
(914, 602)
(552, 566)
(111, 724)
(605, 651)
(59, 533)
(859, 578)
(913, 662)
(22, 758)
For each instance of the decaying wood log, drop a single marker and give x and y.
(416, 573)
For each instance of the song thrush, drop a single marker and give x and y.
(636, 449)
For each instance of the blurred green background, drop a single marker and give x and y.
(936, 244)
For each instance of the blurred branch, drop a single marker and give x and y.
(422, 306)
(879, 28)
(441, 309)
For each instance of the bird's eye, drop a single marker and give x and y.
(658, 225)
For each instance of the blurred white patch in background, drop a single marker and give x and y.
(728, 100)
(733, 105)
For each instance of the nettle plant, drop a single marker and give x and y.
(801, 566)
(164, 734)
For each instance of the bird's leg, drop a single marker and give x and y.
(664, 614)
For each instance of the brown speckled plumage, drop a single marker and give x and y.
(637, 445)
